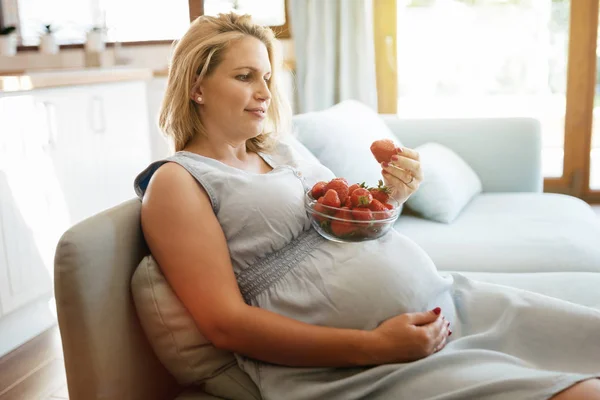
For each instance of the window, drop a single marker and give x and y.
(129, 20)
(126, 21)
(482, 58)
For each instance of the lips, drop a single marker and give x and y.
(258, 112)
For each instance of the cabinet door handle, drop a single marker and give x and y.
(49, 110)
(98, 118)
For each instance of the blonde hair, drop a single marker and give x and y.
(195, 56)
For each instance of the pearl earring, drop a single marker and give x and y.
(199, 98)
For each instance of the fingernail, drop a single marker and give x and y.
(395, 158)
(450, 333)
(386, 164)
(399, 149)
(437, 311)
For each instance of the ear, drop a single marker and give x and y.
(196, 93)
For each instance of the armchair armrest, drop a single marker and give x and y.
(506, 153)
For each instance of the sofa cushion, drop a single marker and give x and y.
(512, 232)
(341, 137)
(449, 184)
(177, 341)
(576, 287)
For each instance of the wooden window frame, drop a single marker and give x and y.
(581, 84)
(196, 8)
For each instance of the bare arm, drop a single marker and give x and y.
(187, 241)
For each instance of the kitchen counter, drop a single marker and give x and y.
(19, 81)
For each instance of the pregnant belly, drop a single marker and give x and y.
(360, 285)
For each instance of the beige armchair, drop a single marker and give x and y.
(106, 352)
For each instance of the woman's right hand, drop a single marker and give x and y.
(410, 337)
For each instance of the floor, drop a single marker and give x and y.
(35, 371)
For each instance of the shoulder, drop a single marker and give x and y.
(172, 186)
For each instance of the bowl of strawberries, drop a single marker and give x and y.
(351, 213)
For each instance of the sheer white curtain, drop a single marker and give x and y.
(335, 53)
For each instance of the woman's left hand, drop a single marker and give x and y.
(403, 174)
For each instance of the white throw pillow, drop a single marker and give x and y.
(341, 137)
(449, 184)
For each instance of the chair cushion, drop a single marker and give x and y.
(449, 184)
(576, 287)
(341, 137)
(178, 343)
(512, 232)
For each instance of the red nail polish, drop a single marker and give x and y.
(450, 333)
(386, 164)
(437, 311)
(399, 149)
(395, 158)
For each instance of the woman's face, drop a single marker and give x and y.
(235, 97)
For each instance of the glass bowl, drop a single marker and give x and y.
(338, 224)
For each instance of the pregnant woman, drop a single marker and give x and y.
(314, 319)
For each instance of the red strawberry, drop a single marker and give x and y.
(388, 206)
(380, 211)
(354, 187)
(381, 192)
(320, 209)
(384, 149)
(340, 186)
(343, 228)
(331, 199)
(362, 214)
(318, 189)
(340, 179)
(361, 198)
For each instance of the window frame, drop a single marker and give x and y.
(196, 8)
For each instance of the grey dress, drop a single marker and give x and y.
(506, 343)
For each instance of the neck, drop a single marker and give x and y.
(222, 150)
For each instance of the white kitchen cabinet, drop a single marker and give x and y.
(30, 207)
(65, 155)
(101, 143)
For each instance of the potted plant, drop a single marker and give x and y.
(48, 44)
(8, 41)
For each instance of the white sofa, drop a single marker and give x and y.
(511, 234)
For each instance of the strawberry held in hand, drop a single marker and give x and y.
(401, 169)
(384, 149)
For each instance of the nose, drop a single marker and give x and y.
(262, 92)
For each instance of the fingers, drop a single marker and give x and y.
(410, 153)
(442, 337)
(425, 318)
(396, 176)
(408, 164)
